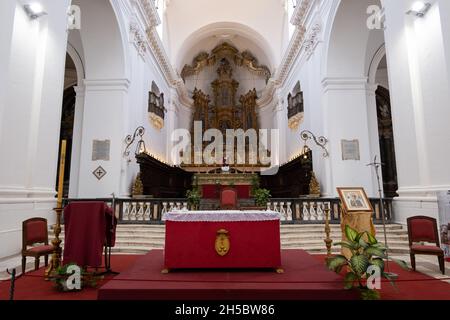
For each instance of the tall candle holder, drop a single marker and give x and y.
(328, 241)
(55, 262)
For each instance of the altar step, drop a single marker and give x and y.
(139, 239)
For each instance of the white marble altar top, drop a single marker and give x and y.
(221, 215)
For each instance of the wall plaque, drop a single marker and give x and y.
(101, 150)
(350, 150)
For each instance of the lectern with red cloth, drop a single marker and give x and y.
(252, 240)
(88, 227)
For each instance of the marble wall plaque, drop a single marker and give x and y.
(350, 150)
(101, 150)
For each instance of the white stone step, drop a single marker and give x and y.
(140, 238)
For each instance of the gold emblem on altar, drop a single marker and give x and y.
(222, 242)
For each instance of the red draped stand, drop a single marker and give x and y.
(252, 240)
(89, 227)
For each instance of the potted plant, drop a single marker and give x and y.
(261, 196)
(194, 196)
(364, 254)
(62, 275)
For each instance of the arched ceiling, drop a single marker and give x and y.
(240, 36)
(199, 25)
(352, 44)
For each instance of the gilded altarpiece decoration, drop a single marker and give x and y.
(223, 112)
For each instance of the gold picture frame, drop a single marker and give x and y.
(355, 199)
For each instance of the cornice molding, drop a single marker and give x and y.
(106, 85)
(338, 84)
(299, 19)
(147, 11)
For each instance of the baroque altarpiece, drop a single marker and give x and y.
(225, 110)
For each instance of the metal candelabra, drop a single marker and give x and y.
(328, 241)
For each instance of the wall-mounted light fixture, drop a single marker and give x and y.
(34, 10)
(320, 141)
(419, 9)
(129, 140)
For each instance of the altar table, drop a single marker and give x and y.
(222, 240)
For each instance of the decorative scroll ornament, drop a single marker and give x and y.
(313, 39)
(225, 50)
(222, 242)
(138, 39)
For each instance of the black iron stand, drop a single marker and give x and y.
(108, 245)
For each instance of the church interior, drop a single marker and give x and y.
(224, 150)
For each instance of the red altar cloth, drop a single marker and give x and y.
(253, 244)
(88, 227)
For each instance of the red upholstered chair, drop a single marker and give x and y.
(424, 229)
(228, 199)
(35, 231)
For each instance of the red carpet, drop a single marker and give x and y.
(32, 286)
(304, 279)
(410, 286)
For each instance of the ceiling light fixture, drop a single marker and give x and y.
(34, 10)
(419, 9)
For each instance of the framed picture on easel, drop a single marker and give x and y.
(355, 200)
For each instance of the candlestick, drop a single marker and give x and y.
(56, 242)
(328, 241)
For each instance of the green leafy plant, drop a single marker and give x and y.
(62, 275)
(261, 196)
(194, 196)
(255, 183)
(366, 251)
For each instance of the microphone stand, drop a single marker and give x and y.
(377, 166)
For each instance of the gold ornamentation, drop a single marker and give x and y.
(156, 121)
(222, 242)
(138, 187)
(295, 121)
(225, 50)
(314, 186)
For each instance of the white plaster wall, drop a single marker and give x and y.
(33, 56)
(419, 82)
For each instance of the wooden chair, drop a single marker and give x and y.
(228, 199)
(424, 229)
(34, 231)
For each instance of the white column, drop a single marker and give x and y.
(280, 123)
(346, 118)
(170, 122)
(420, 96)
(76, 141)
(105, 105)
(32, 75)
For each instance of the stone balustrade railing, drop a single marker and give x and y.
(293, 210)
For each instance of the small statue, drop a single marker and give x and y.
(314, 186)
(138, 187)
